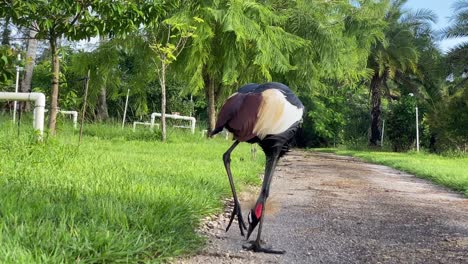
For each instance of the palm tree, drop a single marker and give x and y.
(460, 26)
(457, 57)
(395, 55)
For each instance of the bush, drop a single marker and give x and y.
(449, 122)
(401, 127)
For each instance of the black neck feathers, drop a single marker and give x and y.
(259, 88)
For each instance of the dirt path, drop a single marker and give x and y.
(334, 209)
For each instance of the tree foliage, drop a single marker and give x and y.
(7, 65)
(167, 40)
(76, 20)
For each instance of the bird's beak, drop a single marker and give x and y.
(251, 228)
(253, 222)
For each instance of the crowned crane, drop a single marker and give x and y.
(268, 114)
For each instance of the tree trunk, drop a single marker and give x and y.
(29, 66)
(163, 98)
(6, 32)
(376, 111)
(85, 101)
(210, 91)
(102, 110)
(55, 85)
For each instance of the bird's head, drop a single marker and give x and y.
(254, 217)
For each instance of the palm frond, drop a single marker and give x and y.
(459, 28)
(420, 16)
(455, 31)
(460, 48)
(460, 5)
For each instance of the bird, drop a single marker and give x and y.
(268, 114)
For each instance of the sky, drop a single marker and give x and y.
(444, 10)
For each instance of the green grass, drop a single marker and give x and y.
(116, 198)
(448, 171)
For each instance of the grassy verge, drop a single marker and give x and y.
(448, 171)
(111, 199)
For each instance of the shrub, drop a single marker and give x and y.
(449, 122)
(401, 127)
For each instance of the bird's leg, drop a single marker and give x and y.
(237, 208)
(256, 214)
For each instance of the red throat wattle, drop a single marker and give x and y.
(258, 210)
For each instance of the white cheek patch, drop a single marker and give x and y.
(275, 114)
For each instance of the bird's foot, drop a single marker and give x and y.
(237, 212)
(255, 246)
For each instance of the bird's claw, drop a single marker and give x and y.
(237, 212)
(256, 247)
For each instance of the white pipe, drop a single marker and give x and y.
(65, 112)
(125, 110)
(75, 117)
(143, 124)
(189, 118)
(16, 90)
(417, 131)
(192, 107)
(39, 105)
(383, 131)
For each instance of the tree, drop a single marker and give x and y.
(395, 55)
(448, 104)
(458, 56)
(75, 20)
(168, 40)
